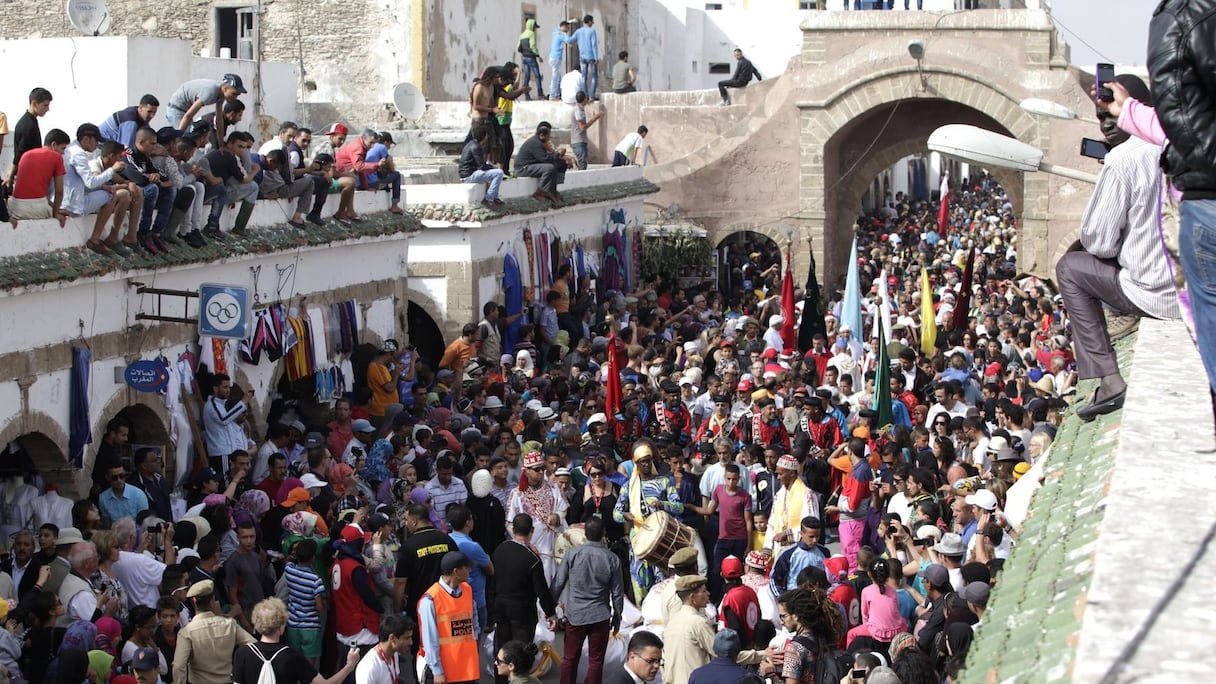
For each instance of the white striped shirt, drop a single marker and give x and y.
(1121, 221)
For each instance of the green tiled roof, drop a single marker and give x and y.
(48, 267)
(528, 205)
(1030, 630)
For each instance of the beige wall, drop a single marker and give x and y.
(798, 151)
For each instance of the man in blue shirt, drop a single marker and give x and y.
(461, 520)
(121, 125)
(557, 54)
(121, 501)
(588, 54)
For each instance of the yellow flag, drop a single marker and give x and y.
(928, 322)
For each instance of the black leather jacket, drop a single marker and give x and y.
(1182, 65)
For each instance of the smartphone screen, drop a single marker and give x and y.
(1105, 73)
(1094, 149)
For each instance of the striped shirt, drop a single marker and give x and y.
(442, 497)
(1121, 222)
(303, 587)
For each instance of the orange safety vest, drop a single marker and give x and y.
(457, 639)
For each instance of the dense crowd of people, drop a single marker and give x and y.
(427, 518)
(665, 487)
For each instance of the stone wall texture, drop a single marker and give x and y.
(353, 52)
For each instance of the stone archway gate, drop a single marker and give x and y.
(796, 152)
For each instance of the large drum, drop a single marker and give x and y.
(660, 536)
(568, 539)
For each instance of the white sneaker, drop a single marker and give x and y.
(724, 103)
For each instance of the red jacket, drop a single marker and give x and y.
(351, 613)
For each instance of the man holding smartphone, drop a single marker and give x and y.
(1118, 261)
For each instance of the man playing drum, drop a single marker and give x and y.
(648, 494)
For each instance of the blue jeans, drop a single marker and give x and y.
(217, 195)
(580, 154)
(1197, 248)
(555, 83)
(491, 177)
(591, 75)
(156, 199)
(532, 68)
(391, 179)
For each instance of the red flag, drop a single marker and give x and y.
(612, 402)
(963, 308)
(789, 331)
(943, 210)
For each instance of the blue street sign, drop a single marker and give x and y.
(223, 311)
(146, 376)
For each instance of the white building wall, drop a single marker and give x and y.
(91, 78)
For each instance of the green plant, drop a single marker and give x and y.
(675, 252)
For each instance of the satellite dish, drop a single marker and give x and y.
(407, 98)
(90, 17)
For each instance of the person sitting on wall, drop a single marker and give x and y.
(277, 183)
(352, 159)
(39, 168)
(474, 168)
(103, 192)
(537, 158)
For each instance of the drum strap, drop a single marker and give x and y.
(660, 414)
(757, 429)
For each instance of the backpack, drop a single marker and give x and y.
(831, 663)
(267, 675)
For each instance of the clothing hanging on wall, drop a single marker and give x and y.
(513, 300)
(299, 362)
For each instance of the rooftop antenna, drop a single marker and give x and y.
(408, 100)
(90, 17)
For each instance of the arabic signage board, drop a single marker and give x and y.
(146, 376)
(223, 311)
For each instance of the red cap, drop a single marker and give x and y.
(770, 353)
(337, 129)
(732, 567)
(744, 385)
(351, 533)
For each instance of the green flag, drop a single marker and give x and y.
(882, 384)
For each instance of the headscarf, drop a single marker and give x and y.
(81, 635)
(215, 500)
(255, 502)
(109, 631)
(285, 488)
(421, 496)
(300, 523)
(101, 664)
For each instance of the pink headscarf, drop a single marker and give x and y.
(108, 632)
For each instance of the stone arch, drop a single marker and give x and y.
(148, 428)
(46, 442)
(865, 126)
(429, 339)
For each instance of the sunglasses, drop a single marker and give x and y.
(596, 473)
(538, 469)
(116, 478)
